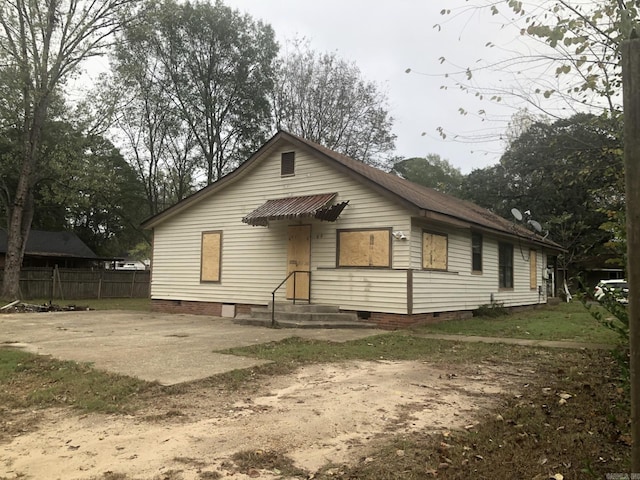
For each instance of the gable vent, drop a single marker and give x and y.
(288, 164)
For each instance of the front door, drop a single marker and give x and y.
(299, 259)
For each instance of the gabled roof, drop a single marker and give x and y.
(52, 244)
(422, 201)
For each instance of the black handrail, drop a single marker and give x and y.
(273, 293)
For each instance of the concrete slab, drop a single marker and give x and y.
(167, 348)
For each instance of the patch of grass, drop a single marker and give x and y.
(566, 321)
(568, 418)
(35, 381)
(491, 310)
(295, 351)
(248, 460)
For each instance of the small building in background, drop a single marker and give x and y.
(48, 249)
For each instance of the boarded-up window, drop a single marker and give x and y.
(434, 251)
(288, 164)
(533, 269)
(364, 248)
(210, 256)
(476, 252)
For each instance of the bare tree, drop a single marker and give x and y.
(324, 98)
(218, 65)
(41, 44)
(562, 58)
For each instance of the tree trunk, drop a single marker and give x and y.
(19, 227)
(631, 84)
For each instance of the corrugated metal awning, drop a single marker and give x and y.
(308, 206)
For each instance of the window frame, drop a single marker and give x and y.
(287, 164)
(204, 278)
(505, 271)
(389, 257)
(446, 261)
(474, 254)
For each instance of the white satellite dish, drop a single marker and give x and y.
(536, 226)
(516, 213)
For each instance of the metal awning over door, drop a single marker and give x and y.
(308, 206)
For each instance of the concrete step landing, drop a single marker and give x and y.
(288, 315)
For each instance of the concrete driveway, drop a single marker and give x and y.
(167, 348)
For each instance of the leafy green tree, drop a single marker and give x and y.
(159, 144)
(590, 46)
(84, 185)
(489, 188)
(41, 45)
(324, 98)
(432, 171)
(568, 173)
(215, 66)
(102, 196)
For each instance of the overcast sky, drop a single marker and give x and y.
(385, 38)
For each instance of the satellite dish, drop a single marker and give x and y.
(516, 213)
(536, 226)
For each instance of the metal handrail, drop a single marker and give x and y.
(273, 293)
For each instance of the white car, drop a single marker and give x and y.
(619, 288)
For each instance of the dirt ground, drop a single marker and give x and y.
(320, 414)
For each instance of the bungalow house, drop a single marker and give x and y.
(358, 238)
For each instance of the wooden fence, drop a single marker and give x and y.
(70, 283)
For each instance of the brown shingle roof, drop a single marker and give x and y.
(426, 201)
(430, 200)
(52, 244)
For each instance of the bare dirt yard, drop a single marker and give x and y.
(320, 414)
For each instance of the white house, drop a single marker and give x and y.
(359, 238)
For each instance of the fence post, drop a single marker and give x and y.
(133, 283)
(57, 274)
(53, 286)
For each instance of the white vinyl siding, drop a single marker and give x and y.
(254, 259)
(459, 288)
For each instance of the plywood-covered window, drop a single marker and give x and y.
(505, 265)
(288, 164)
(476, 252)
(533, 269)
(364, 248)
(434, 251)
(210, 257)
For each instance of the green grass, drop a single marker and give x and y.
(293, 352)
(138, 304)
(528, 435)
(28, 380)
(567, 321)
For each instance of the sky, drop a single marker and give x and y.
(384, 39)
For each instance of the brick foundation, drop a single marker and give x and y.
(195, 308)
(395, 321)
(385, 321)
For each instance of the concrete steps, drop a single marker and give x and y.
(288, 315)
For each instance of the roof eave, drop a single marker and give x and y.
(205, 192)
